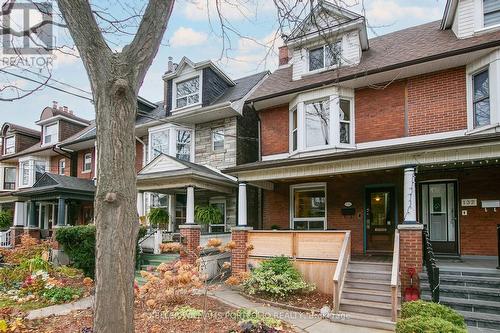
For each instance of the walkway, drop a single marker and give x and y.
(61, 309)
(303, 322)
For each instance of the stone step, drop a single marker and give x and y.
(468, 305)
(477, 293)
(368, 295)
(482, 320)
(366, 307)
(364, 320)
(367, 274)
(371, 266)
(367, 284)
(485, 272)
(468, 281)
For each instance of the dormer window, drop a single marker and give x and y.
(187, 92)
(10, 145)
(325, 56)
(491, 12)
(50, 133)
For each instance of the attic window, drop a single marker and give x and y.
(187, 92)
(50, 133)
(491, 10)
(10, 145)
(325, 56)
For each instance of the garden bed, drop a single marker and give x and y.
(310, 302)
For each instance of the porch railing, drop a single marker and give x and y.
(340, 271)
(430, 265)
(5, 239)
(395, 278)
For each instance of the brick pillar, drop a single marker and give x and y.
(410, 254)
(239, 235)
(33, 232)
(191, 241)
(15, 233)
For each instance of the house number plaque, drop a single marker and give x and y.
(469, 202)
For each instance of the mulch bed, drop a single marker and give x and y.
(311, 301)
(150, 321)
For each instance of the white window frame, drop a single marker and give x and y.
(84, 163)
(351, 122)
(191, 143)
(13, 137)
(25, 165)
(306, 186)
(219, 130)
(181, 79)
(325, 67)
(30, 161)
(56, 134)
(172, 140)
(479, 17)
(473, 75)
(61, 166)
(4, 180)
(216, 201)
(293, 130)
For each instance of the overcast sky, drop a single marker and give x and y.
(191, 34)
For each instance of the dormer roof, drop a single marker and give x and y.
(50, 113)
(185, 61)
(13, 128)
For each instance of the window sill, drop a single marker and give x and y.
(86, 171)
(320, 70)
(487, 29)
(187, 107)
(482, 129)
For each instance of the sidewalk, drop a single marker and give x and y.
(303, 322)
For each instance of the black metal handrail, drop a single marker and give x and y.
(431, 266)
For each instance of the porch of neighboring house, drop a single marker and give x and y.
(56, 201)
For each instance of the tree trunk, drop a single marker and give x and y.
(115, 209)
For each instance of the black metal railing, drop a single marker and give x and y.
(431, 266)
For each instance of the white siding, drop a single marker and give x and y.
(299, 63)
(464, 18)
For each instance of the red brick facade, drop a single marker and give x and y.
(410, 256)
(54, 165)
(380, 113)
(80, 172)
(67, 129)
(437, 102)
(191, 242)
(239, 254)
(274, 130)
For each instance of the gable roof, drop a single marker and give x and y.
(53, 182)
(398, 49)
(185, 61)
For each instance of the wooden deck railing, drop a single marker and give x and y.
(340, 271)
(395, 277)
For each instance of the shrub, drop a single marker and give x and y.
(61, 294)
(36, 264)
(425, 324)
(253, 321)
(6, 218)
(276, 277)
(430, 309)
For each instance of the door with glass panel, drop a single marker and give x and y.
(438, 208)
(380, 219)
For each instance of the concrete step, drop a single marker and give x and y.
(469, 305)
(364, 320)
(367, 295)
(476, 293)
(367, 284)
(368, 275)
(366, 307)
(482, 320)
(371, 266)
(484, 272)
(469, 281)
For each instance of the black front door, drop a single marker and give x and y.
(438, 209)
(380, 219)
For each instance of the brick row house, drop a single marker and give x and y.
(390, 133)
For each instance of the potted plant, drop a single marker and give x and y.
(208, 215)
(158, 218)
(6, 219)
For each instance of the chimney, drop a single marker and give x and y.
(170, 66)
(283, 55)
(71, 112)
(60, 108)
(65, 108)
(54, 104)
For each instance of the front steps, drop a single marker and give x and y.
(366, 295)
(150, 262)
(474, 293)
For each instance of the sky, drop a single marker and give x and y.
(193, 31)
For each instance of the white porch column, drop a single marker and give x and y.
(171, 212)
(190, 205)
(410, 196)
(20, 214)
(140, 204)
(242, 204)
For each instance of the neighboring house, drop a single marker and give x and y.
(201, 127)
(368, 134)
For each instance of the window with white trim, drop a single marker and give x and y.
(87, 162)
(159, 143)
(345, 106)
(50, 133)
(481, 99)
(9, 178)
(220, 204)
(317, 127)
(294, 130)
(25, 173)
(172, 141)
(308, 204)
(10, 145)
(40, 167)
(183, 145)
(218, 139)
(62, 166)
(491, 13)
(187, 92)
(325, 56)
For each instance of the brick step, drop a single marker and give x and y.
(477, 293)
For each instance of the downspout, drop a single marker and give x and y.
(259, 129)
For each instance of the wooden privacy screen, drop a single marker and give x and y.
(315, 253)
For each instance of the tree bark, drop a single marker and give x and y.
(115, 80)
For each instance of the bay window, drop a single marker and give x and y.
(10, 145)
(172, 141)
(39, 169)
(187, 92)
(481, 99)
(345, 120)
(50, 133)
(317, 123)
(183, 147)
(159, 143)
(294, 130)
(325, 56)
(308, 207)
(25, 173)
